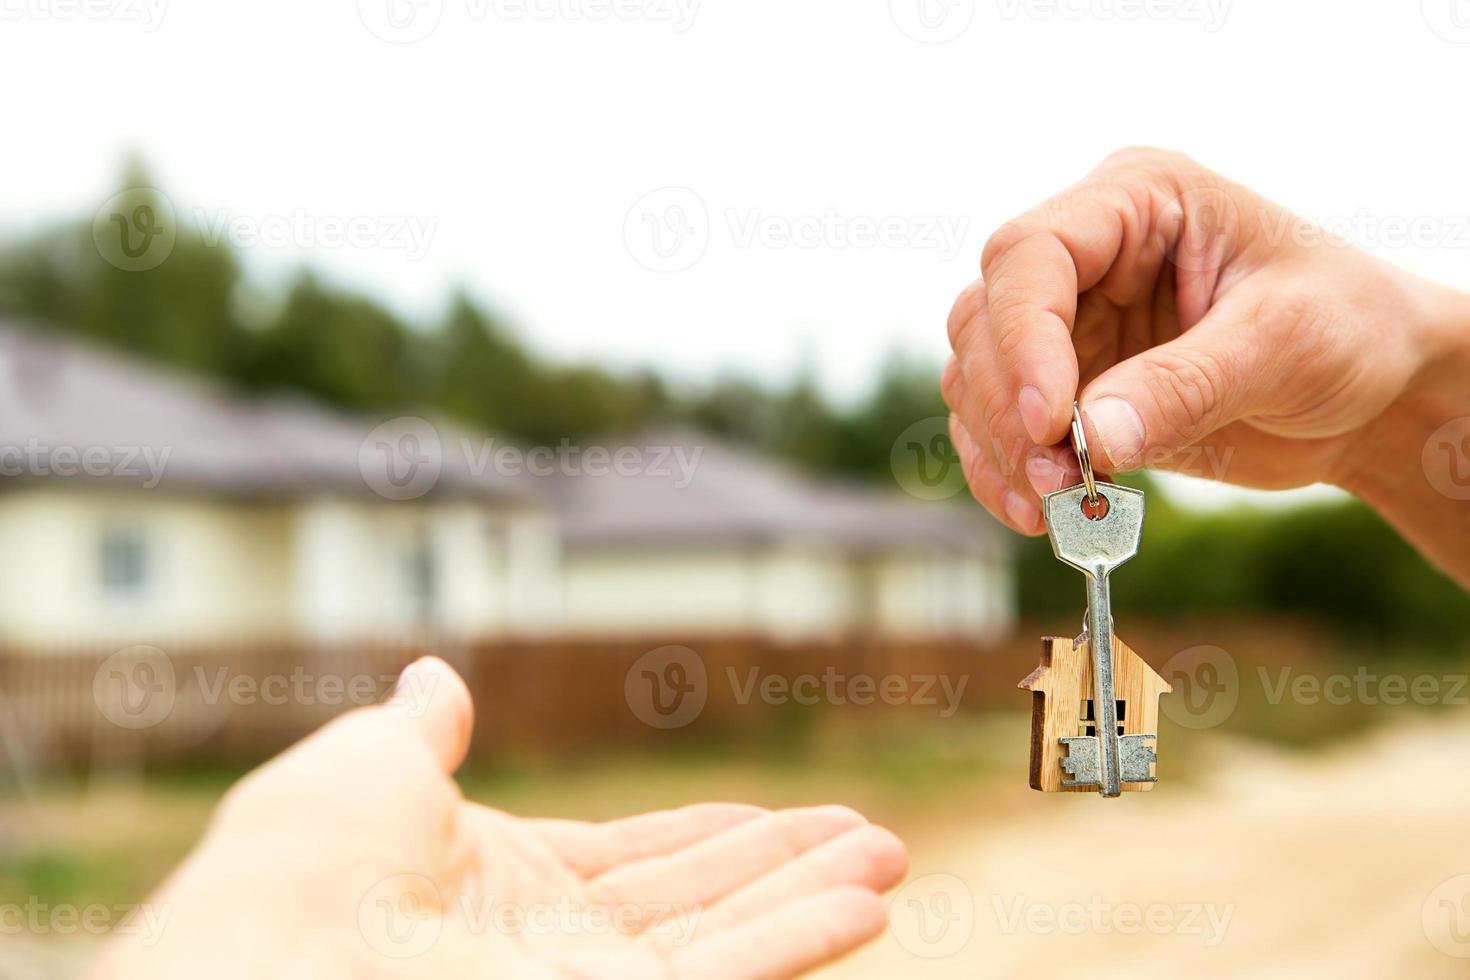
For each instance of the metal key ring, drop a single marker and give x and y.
(1084, 458)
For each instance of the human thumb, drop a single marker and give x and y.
(431, 699)
(1148, 407)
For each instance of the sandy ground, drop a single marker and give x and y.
(1350, 862)
(1335, 864)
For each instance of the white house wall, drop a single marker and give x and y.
(210, 569)
(337, 568)
(786, 592)
(941, 593)
(490, 568)
(620, 591)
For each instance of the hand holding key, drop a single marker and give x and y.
(1207, 335)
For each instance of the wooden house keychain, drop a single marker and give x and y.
(1094, 702)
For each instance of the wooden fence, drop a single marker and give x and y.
(184, 703)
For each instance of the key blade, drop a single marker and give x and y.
(1094, 546)
(1082, 762)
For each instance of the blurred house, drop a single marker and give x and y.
(138, 503)
(725, 540)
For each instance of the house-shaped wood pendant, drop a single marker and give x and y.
(1062, 707)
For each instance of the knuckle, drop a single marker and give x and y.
(951, 385)
(885, 859)
(1190, 390)
(969, 306)
(1146, 157)
(995, 401)
(1003, 240)
(1010, 337)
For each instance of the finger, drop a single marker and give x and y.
(712, 868)
(868, 857)
(975, 392)
(970, 302)
(431, 698)
(1156, 403)
(789, 941)
(989, 487)
(1034, 269)
(591, 849)
(374, 765)
(1046, 468)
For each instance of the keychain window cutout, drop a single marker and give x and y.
(1089, 716)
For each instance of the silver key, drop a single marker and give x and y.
(1095, 546)
(1095, 527)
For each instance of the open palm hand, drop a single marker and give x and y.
(354, 854)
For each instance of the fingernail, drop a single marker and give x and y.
(1045, 476)
(1120, 429)
(1021, 513)
(1035, 415)
(405, 690)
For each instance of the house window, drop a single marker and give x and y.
(420, 576)
(1089, 720)
(124, 562)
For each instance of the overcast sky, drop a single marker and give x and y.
(711, 184)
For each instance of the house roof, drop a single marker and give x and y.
(60, 395)
(61, 399)
(731, 495)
